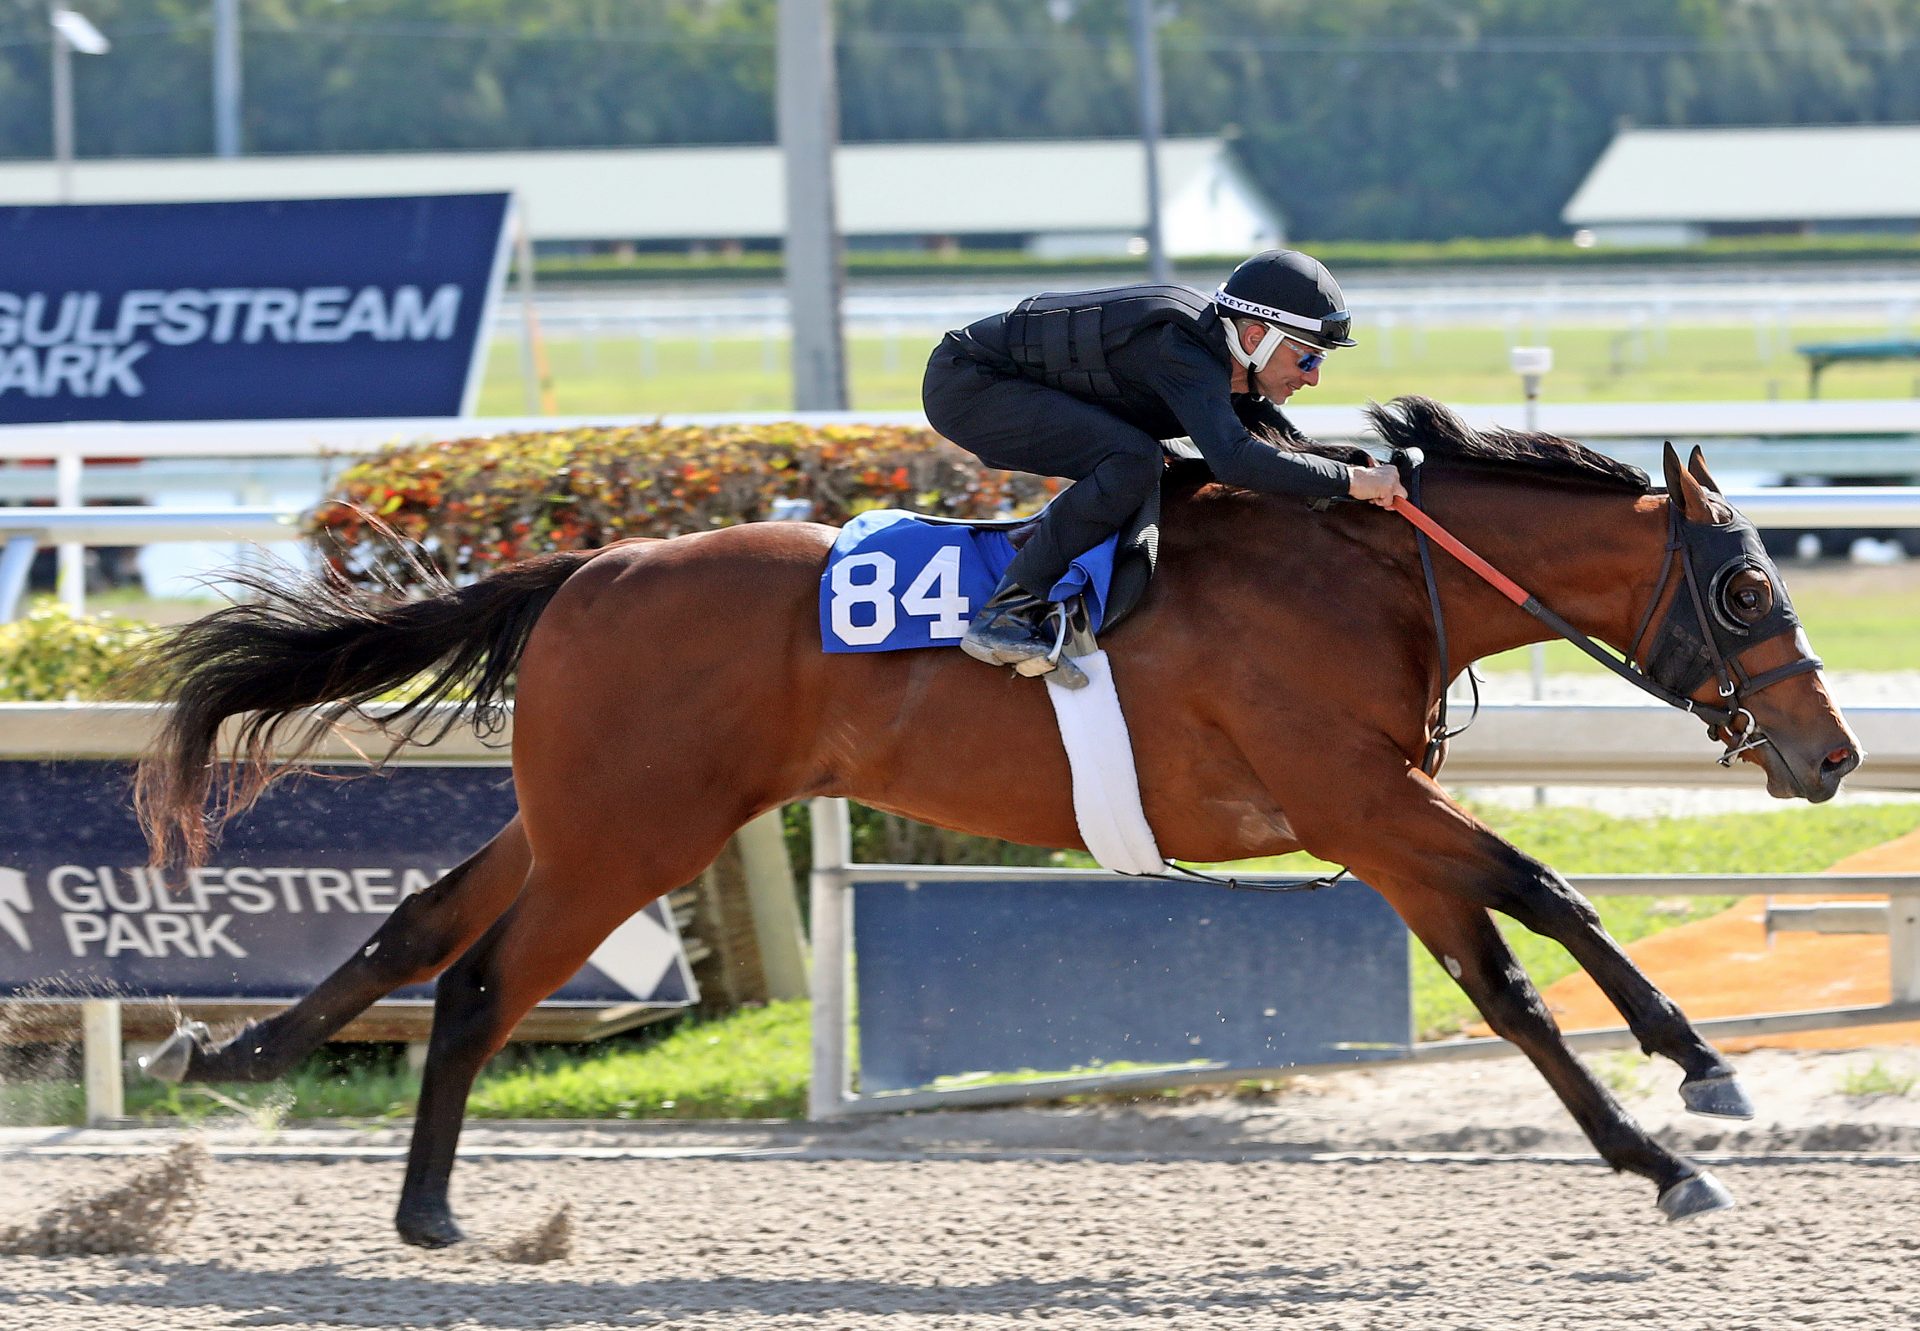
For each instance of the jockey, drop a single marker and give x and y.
(1087, 384)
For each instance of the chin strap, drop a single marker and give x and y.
(1255, 360)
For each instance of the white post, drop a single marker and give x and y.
(71, 580)
(100, 1046)
(62, 106)
(831, 900)
(776, 907)
(1903, 949)
(226, 78)
(16, 562)
(531, 354)
(1532, 364)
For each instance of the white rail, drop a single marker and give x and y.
(73, 527)
(315, 438)
(1529, 744)
(1512, 743)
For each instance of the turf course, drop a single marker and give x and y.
(1701, 363)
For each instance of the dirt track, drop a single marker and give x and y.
(1198, 1214)
(890, 1244)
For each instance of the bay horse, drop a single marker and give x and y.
(1281, 680)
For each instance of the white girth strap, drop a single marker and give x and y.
(1106, 788)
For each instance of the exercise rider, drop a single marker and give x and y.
(1087, 384)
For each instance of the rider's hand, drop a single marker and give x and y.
(1378, 485)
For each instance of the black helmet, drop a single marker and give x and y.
(1293, 292)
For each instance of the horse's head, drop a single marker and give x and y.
(1730, 640)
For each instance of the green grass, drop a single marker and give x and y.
(1876, 1079)
(750, 1064)
(621, 375)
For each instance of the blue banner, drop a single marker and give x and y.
(246, 311)
(298, 883)
(1051, 976)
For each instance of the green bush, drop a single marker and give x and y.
(475, 504)
(54, 655)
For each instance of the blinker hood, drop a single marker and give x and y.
(1685, 652)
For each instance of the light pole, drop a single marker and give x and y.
(807, 108)
(1146, 70)
(71, 32)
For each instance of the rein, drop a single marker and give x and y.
(1733, 681)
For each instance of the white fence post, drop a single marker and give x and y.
(100, 1052)
(72, 576)
(830, 899)
(1903, 949)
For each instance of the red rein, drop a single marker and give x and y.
(1506, 586)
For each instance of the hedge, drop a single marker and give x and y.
(54, 656)
(475, 504)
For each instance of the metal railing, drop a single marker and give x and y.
(834, 885)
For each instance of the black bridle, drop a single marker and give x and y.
(1698, 640)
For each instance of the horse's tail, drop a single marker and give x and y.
(320, 643)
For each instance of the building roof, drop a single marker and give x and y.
(1822, 173)
(1008, 187)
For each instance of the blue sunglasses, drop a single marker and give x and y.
(1311, 360)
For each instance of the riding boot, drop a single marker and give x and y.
(1025, 631)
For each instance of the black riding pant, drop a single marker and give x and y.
(1018, 425)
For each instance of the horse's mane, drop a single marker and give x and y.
(1449, 442)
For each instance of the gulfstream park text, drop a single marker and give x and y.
(122, 910)
(86, 344)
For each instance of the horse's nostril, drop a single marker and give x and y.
(1840, 757)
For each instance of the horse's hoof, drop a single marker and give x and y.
(429, 1228)
(170, 1061)
(1695, 1195)
(1717, 1097)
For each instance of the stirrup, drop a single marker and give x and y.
(1055, 663)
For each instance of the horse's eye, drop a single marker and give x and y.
(1749, 596)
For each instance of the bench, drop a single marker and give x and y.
(1822, 354)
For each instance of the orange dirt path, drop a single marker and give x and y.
(1725, 966)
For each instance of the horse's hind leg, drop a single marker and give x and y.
(530, 951)
(1462, 938)
(424, 933)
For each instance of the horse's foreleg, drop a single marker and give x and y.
(424, 933)
(1416, 825)
(529, 952)
(1461, 936)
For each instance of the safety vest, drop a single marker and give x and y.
(1062, 338)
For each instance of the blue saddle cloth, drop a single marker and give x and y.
(896, 581)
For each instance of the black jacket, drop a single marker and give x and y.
(1157, 358)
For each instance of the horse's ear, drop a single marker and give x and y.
(1697, 468)
(1686, 491)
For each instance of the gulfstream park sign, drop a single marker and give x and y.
(221, 311)
(298, 884)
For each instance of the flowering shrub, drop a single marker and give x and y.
(474, 504)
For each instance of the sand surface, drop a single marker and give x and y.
(1209, 1211)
